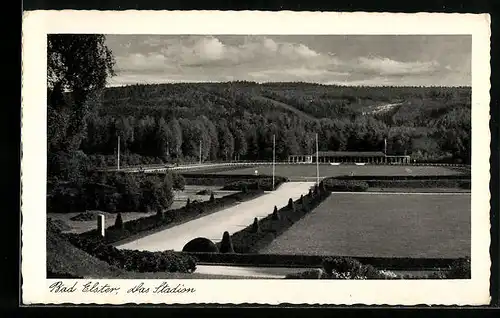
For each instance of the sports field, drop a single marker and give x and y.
(382, 225)
(309, 170)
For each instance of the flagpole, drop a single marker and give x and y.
(274, 156)
(118, 154)
(317, 160)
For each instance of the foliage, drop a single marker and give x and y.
(168, 217)
(133, 260)
(111, 192)
(119, 221)
(345, 185)
(226, 245)
(200, 244)
(235, 121)
(79, 64)
(460, 269)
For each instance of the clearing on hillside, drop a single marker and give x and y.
(382, 225)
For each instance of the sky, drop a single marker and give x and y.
(368, 60)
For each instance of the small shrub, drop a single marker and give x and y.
(255, 226)
(119, 221)
(301, 200)
(290, 205)
(212, 198)
(200, 245)
(188, 202)
(226, 245)
(460, 269)
(276, 215)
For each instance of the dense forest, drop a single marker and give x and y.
(226, 121)
(236, 121)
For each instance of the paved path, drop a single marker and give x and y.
(246, 271)
(213, 226)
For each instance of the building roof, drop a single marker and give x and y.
(350, 154)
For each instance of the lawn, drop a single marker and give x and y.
(308, 171)
(382, 225)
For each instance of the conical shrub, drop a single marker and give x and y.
(226, 245)
(212, 198)
(301, 200)
(291, 205)
(160, 214)
(316, 191)
(119, 221)
(255, 226)
(188, 202)
(276, 215)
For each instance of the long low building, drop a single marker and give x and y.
(349, 157)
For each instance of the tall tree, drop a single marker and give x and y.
(80, 65)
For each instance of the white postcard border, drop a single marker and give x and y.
(37, 24)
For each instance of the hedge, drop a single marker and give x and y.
(410, 177)
(133, 260)
(418, 184)
(223, 179)
(363, 183)
(270, 227)
(345, 185)
(265, 184)
(161, 219)
(290, 260)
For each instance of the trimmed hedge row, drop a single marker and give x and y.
(362, 183)
(133, 260)
(419, 184)
(160, 219)
(345, 185)
(252, 239)
(414, 177)
(289, 260)
(265, 184)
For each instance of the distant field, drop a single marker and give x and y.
(383, 225)
(307, 171)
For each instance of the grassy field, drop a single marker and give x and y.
(383, 225)
(309, 170)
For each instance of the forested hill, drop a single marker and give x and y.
(238, 119)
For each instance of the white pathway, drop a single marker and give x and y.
(244, 271)
(213, 226)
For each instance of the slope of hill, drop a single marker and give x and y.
(64, 259)
(167, 122)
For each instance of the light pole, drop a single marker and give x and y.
(274, 155)
(200, 151)
(118, 154)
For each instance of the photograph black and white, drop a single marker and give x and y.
(218, 156)
(247, 157)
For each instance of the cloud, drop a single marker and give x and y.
(161, 59)
(386, 66)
